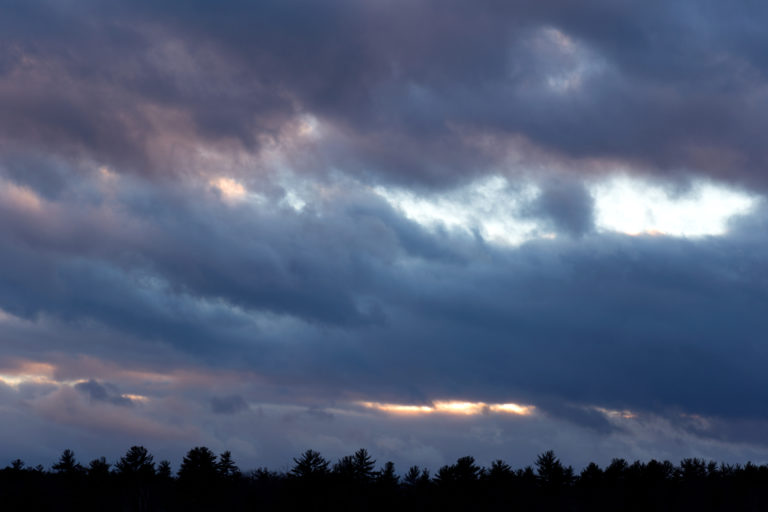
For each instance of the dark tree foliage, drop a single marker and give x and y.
(98, 468)
(199, 466)
(499, 471)
(310, 465)
(457, 483)
(310, 481)
(136, 472)
(356, 468)
(387, 477)
(226, 466)
(200, 479)
(67, 464)
(352, 480)
(591, 476)
(207, 482)
(416, 477)
(137, 462)
(164, 471)
(551, 472)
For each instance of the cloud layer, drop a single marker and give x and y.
(203, 227)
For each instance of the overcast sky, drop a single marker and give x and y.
(426, 228)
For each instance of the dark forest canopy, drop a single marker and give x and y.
(206, 481)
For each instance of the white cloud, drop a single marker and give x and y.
(489, 207)
(633, 206)
(495, 210)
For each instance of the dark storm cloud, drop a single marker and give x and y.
(103, 393)
(567, 204)
(115, 243)
(428, 92)
(582, 416)
(343, 300)
(230, 404)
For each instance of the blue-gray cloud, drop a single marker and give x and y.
(103, 392)
(117, 116)
(411, 89)
(229, 404)
(636, 322)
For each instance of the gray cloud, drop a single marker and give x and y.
(668, 88)
(113, 246)
(105, 392)
(229, 404)
(567, 204)
(326, 302)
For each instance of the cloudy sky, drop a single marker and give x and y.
(430, 228)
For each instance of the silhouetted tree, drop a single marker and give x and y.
(465, 470)
(387, 476)
(659, 471)
(226, 466)
(363, 464)
(616, 470)
(164, 470)
(309, 465)
(551, 472)
(693, 469)
(458, 483)
(137, 469)
(137, 462)
(356, 468)
(98, 468)
(526, 474)
(591, 476)
(67, 464)
(263, 474)
(712, 469)
(208, 483)
(499, 472)
(199, 465)
(415, 477)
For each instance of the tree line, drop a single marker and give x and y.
(206, 481)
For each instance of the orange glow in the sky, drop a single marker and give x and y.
(135, 398)
(20, 198)
(522, 410)
(397, 408)
(452, 407)
(230, 189)
(465, 408)
(27, 372)
(33, 372)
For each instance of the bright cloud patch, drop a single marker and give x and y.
(452, 407)
(27, 372)
(635, 207)
(500, 213)
(566, 63)
(488, 207)
(229, 189)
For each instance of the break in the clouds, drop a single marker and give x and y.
(427, 228)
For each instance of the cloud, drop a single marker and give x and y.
(278, 206)
(567, 204)
(461, 91)
(342, 299)
(103, 393)
(230, 404)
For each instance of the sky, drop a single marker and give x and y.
(429, 228)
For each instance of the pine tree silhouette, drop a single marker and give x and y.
(226, 466)
(67, 464)
(309, 465)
